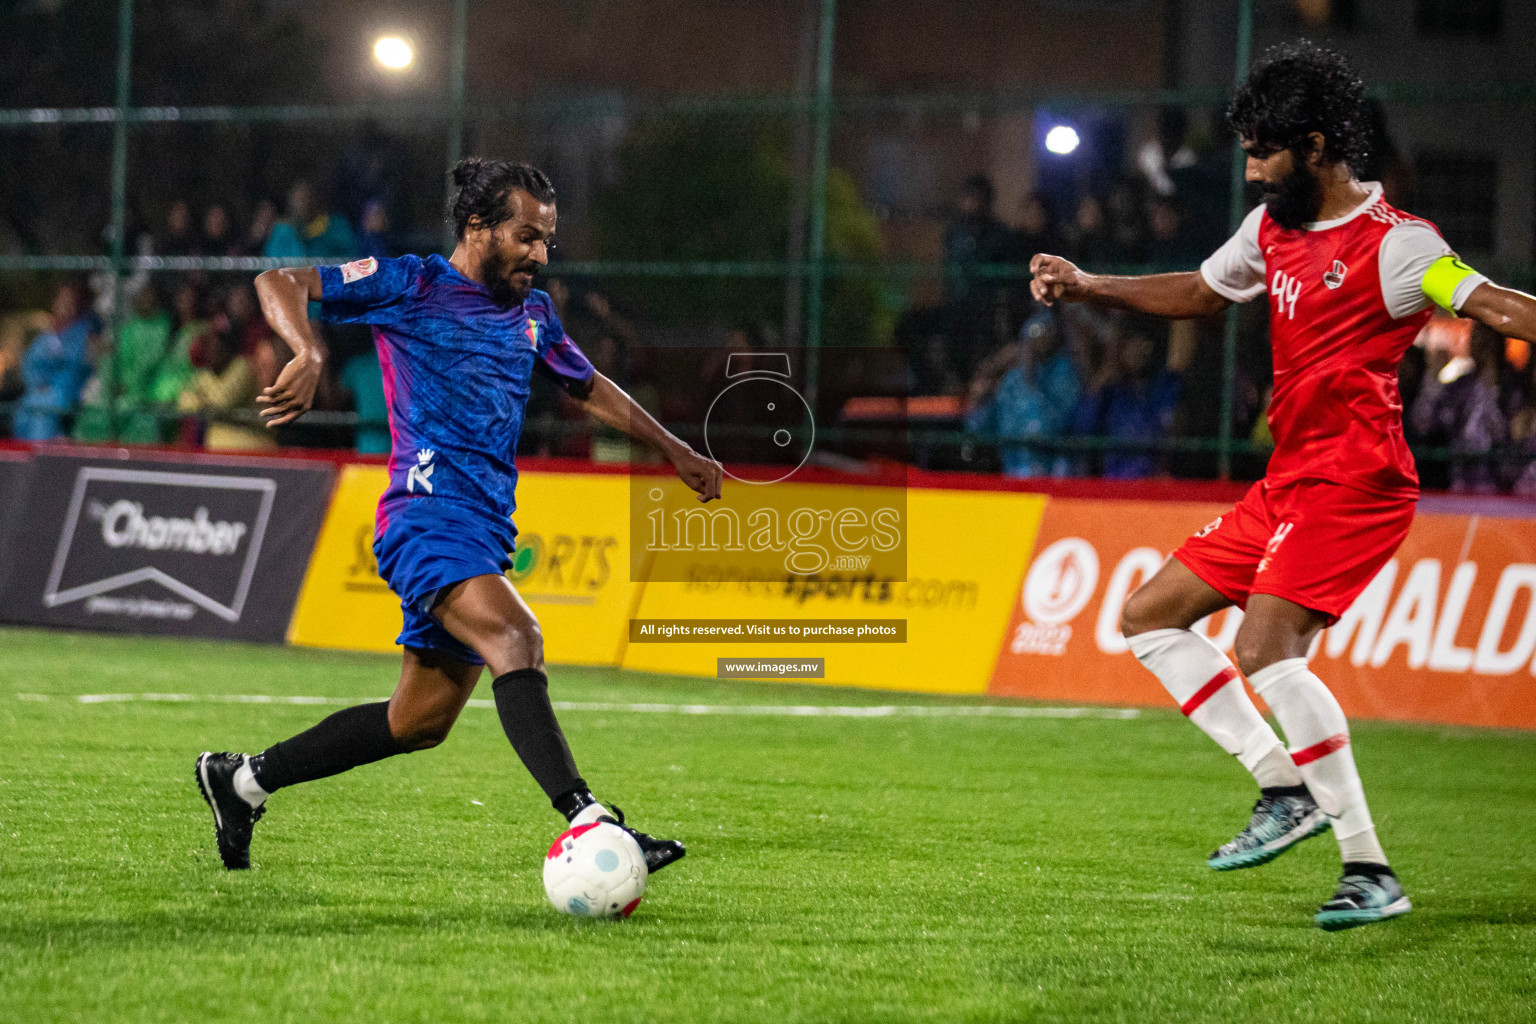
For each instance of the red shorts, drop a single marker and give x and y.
(1314, 543)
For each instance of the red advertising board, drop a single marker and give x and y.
(1445, 633)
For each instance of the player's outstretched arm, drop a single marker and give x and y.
(1511, 313)
(610, 404)
(285, 297)
(1183, 296)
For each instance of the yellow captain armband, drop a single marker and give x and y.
(1441, 279)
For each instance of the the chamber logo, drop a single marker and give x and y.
(124, 524)
(196, 535)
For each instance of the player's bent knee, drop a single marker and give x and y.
(424, 741)
(1138, 613)
(423, 727)
(515, 647)
(423, 734)
(1254, 651)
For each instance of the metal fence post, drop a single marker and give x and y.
(818, 231)
(800, 166)
(1234, 221)
(119, 248)
(455, 113)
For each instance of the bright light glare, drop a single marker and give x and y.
(393, 52)
(1061, 140)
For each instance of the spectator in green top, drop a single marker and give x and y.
(175, 369)
(129, 372)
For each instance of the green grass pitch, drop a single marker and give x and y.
(840, 869)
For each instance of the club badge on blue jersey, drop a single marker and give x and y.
(457, 368)
(421, 473)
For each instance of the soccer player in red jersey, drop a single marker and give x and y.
(1350, 282)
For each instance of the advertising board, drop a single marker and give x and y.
(210, 548)
(961, 576)
(571, 566)
(1446, 632)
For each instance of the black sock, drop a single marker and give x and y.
(1299, 790)
(351, 737)
(522, 701)
(572, 803)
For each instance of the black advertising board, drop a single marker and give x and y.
(213, 548)
(15, 468)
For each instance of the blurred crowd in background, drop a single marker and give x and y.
(1077, 391)
(927, 257)
(194, 350)
(1028, 391)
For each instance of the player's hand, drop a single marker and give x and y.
(293, 393)
(1054, 278)
(699, 473)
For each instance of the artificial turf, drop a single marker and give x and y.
(840, 869)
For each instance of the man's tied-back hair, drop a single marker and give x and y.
(1298, 88)
(485, 185)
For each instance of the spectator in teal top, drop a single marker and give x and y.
(365, 380)
(310, 230)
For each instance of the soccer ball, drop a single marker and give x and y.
(595, 870)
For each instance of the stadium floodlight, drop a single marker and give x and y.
(1061, 139)
(393, 52)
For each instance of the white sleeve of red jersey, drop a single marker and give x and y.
(1407, 252)
(1236, 270)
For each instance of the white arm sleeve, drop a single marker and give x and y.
(1236, 270)
(1407, 252)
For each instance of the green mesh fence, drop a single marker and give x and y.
(810, 261)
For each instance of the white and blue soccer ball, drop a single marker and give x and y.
(595, 870)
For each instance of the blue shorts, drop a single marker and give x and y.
(425, 544)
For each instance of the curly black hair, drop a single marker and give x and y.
(484, 185)
(1299, 88)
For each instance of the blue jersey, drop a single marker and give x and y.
(457, 370)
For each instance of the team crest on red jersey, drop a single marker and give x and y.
(1209, 528)
(1335, 412)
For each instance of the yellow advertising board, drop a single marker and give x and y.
(964, 550)
(343, 603)
(571, 566)
(572, 563)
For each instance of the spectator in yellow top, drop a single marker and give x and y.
(223, 391)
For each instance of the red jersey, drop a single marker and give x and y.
(1345, 302)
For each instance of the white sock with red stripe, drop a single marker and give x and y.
(1210, 694)
(1318, 733)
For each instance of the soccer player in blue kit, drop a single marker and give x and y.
(458, 342)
